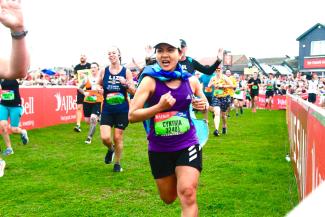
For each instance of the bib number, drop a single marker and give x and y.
(171, 123)
(218, 92)
(254, 87)
(8, 95)
(91, 99)
(237, 92)
(115, 98)
(269, 87)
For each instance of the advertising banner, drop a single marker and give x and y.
(306, 127)
(278, 102)
(45, 107)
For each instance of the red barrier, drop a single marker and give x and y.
(45, 107)
(306, 127)
(278, 102)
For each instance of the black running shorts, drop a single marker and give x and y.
(117, 120)
(91, 108)
(163, 164)
(80, 97)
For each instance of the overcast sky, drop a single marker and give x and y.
(60, 30)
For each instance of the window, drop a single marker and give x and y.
(317, 48)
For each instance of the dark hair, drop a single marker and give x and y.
(95, 64)
(119, 54)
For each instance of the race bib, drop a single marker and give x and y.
(269, 87)
(115, 98)
(8, 95)
(237, 91)
(171, 123)
(254, 87)
(91, 99)
(218, 92)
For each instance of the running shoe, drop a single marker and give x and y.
(109, 156)
(2, 167)
(24, 137)
(77, 129)
(88, 140)
(254, 110)
(117, 168)
(216, 133)
(224, 130)
(8, 151)
(237, 114)
(241, 110)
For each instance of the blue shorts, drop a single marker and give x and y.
(13, 112)
(222, 102)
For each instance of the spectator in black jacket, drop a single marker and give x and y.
(189, 64)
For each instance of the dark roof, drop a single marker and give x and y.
(293, 63)
(238, 67)
(309, 30)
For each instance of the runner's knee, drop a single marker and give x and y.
(187, 195)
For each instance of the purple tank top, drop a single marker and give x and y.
(172, 130)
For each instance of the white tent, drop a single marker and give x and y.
(268, 69)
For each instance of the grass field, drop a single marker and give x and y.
(57, 174)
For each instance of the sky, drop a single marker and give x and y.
(61, 30)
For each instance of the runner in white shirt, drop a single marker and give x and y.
(313, 88)
(239, 94)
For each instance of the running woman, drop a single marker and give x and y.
(10, 107)
(92, 101)
(116, 81)
(270, 85)
(254, 84)
(11, 16)
(79, 71)
(239, 94)
(231, 90)
(174, 154)
(220, 100)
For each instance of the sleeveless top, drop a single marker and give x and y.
(93, 96)
(173, 129)
(10, 95)
(220, 92)
(115, 95)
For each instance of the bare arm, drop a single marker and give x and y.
(129, 82)
(200, 103)
(11, 16)
(82, 86)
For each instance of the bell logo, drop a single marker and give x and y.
(65, 103)
(28, 105)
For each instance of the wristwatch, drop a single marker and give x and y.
(19, 35)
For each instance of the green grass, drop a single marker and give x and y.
(56, 174)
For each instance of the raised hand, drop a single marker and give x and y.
(11, 15)
(220, 54)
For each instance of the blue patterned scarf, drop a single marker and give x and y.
(157, 72)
